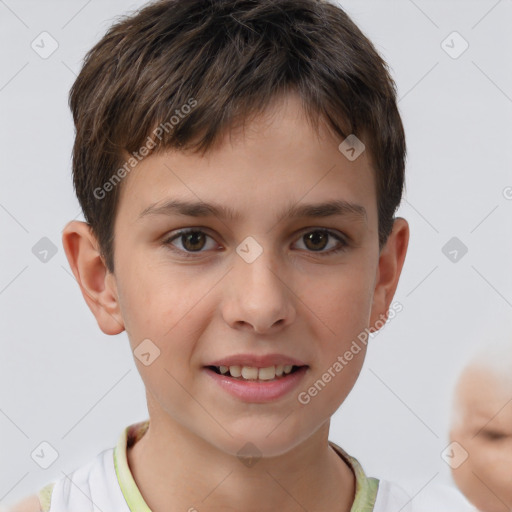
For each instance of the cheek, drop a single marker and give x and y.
(342, 301)
(486, 473)
(492, 464)
(167, 307)
(338, 312)
(157, 300)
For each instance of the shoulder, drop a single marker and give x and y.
(29, 504)
(74, 491)
(39, 502)
(392, 496)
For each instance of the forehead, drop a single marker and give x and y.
(482, 393)
(276, 157)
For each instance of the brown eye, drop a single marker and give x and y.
(193, 240)
(319, 239)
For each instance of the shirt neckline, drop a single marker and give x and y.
(129, 436)
(364, 500)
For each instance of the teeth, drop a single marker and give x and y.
(248, 372)
(253, 373)
(266, 373)
(235, 371)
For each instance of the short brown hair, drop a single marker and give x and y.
(229, 59)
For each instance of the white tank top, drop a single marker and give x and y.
(106, 484)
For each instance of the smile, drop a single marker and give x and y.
(257, 385)
(254, 373)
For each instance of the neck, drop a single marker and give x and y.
(172, 466)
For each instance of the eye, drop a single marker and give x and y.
(191, 240)
(317, 240)
(493, 435)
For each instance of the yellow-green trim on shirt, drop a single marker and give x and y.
(45, 497)
(366, 487)
(129, 488)
(365, 493)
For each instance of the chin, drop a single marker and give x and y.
(255, 442)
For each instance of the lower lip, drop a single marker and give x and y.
(259, 391)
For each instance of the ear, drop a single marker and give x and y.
(98, 286)
(391, 261)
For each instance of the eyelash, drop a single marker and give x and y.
(190, 254)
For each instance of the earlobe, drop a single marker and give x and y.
(391, 261)
(97, 285)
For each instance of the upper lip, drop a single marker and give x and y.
(258, 361)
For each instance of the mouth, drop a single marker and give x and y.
(252, 373)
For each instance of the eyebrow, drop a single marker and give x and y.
(337, 207)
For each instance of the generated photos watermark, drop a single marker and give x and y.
(151, 142)
(304, 397)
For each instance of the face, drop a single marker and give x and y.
(483, 426)
(252, 280)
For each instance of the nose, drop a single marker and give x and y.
(259, 297)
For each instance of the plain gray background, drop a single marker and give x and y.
(64, 382)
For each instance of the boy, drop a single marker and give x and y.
(268, 130)
(482, 429)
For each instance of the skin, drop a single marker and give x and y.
(483, 426)
(290, 300)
